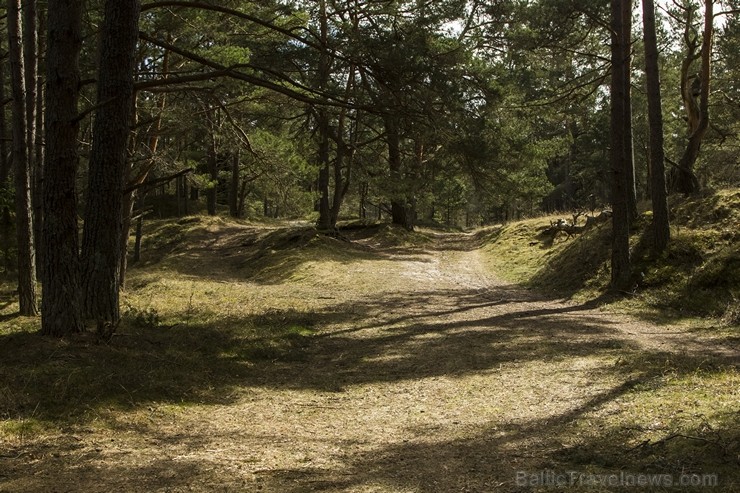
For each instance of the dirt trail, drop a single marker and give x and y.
(428, 375)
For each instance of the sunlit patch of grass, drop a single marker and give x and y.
(182, 341)
(697, 276)
(22, 429)
(681, 417)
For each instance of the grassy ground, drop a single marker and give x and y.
(698, 276)
(266, 358)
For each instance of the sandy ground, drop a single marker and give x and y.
(427, 375)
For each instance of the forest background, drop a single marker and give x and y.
(456, 113)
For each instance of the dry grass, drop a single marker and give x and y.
(697, 277)
(255, 358)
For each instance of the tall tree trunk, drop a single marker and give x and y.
(399, 210)
(39, 152)
(5, 163)
(685, 180)
(23, 212)
(243, 190)
(661, 227)
(629, 151)
(324, 221)
(61, 304)
(620, 261)
(103, 228)
(233, 186)
(129, 198)
(322, 125)
(30, 66)
(345, 153)
(212, 192)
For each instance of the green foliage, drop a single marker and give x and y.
(6, 198)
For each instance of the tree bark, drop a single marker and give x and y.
(322, 125)
(39, 152)
(23, 205)
(345, 153)
(212, 192)
(629, 151)
(399, 209)
(620, 259)
(324, 222)
(103, 229)
(661, 227)
(5, 163)
(30, 67)
(685, 180)
(233, 186)
(61, 304)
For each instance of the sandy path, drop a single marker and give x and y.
(429, 375)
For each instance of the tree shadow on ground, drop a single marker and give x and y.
(208, 362)
(526, 456)
(487, 458)
(449, 333)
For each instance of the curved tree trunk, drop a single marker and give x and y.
(61, 304)
(684, 177)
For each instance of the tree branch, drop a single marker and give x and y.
(237, 74)
(157, 181)
(183, 79)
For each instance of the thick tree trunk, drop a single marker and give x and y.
(61, 305)
(103, 229)
(661, 227)
(620, 261)
(23, 205)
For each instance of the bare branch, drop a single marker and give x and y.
(157, 181)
